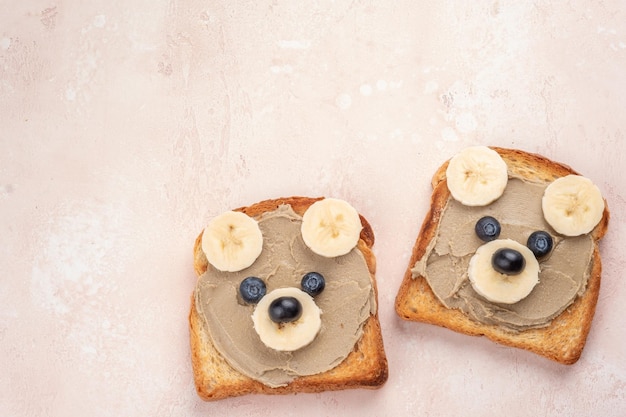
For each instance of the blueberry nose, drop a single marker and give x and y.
(285, 310)
(508, 261)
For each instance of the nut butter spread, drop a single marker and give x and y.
(346, 303)
(563, 274)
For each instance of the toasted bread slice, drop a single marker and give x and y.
(365, 367)
(564, 338)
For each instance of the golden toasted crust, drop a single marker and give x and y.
(564, 339)
(365, 367)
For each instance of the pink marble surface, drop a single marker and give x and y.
(125, 126)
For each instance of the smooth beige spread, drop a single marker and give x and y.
(346, 303)
(563, 275)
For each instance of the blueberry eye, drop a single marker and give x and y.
(487, 228)
(540, 243)
(313, 283)
(252, 289)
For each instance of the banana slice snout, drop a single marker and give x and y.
(572, 205)
(498, 287)
(287, 319)
(331, 227)
(476, 176)
(232, 241)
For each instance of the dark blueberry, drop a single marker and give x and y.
(313, 283)
(252, 289)
(508, 261)
(540, 243)
(487, 228)
(285, 310)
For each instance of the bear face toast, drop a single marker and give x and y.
(509, 250)
(286, 301)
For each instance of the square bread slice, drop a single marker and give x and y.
(564, 338)
(364, 367)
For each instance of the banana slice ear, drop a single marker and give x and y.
(232, 241)
(331, 227)
(477, 176)
(572, 205)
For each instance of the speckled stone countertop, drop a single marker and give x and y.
(125, 126)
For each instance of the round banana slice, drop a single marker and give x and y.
(476, 176)
(292, 335)
(572, 205)
(232, 241)
(331, 227)
(498, 287)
